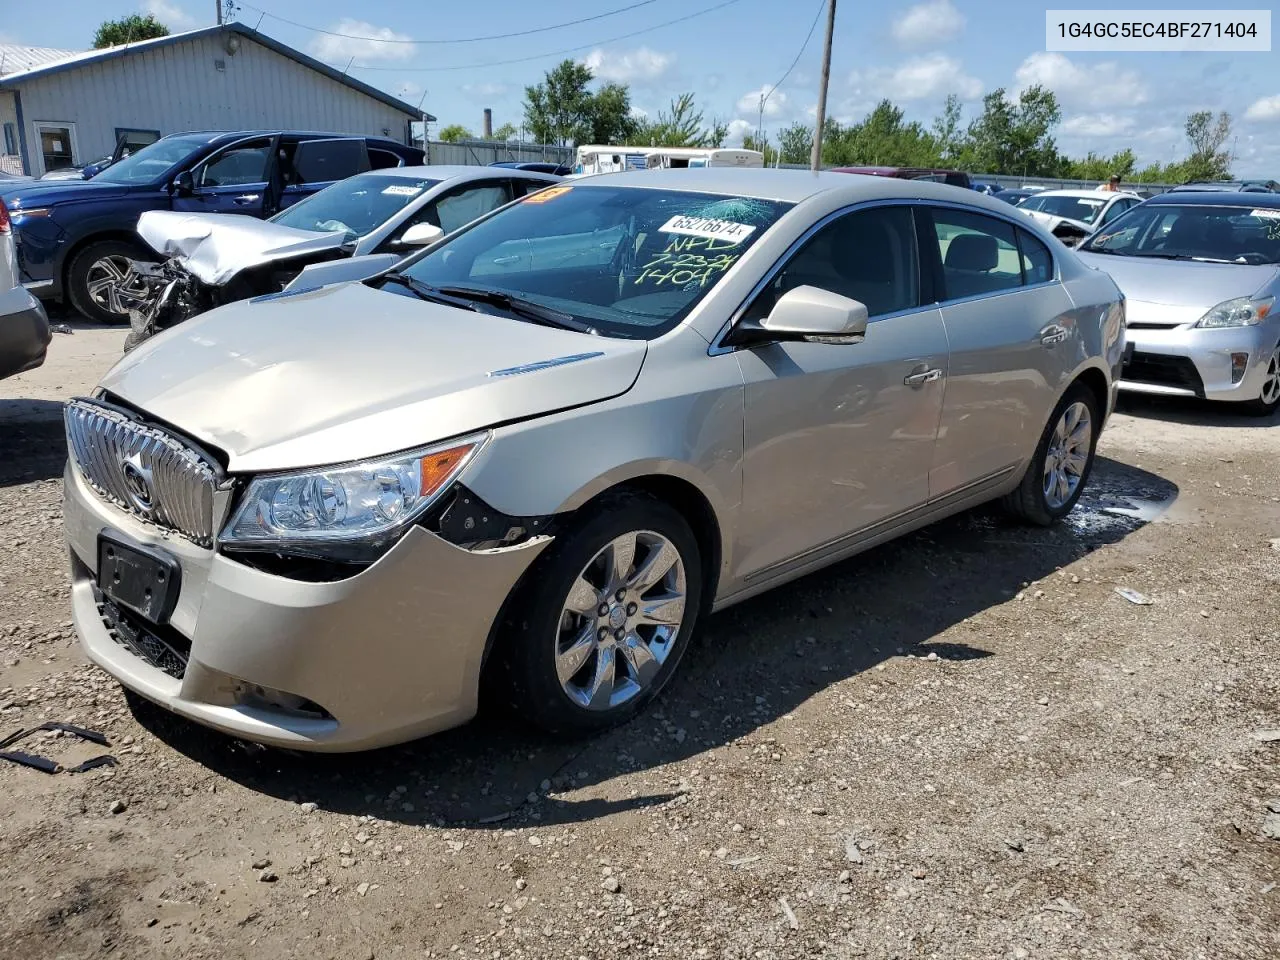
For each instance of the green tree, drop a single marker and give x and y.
(1208, 161)
(1094, 167)
(455, 132)
(507, 131)
(681, 125)
(795, 143)
(1015, 138)
(130, 29)
(947, 134)
(560, 109)
(882, 137)
(609, 111)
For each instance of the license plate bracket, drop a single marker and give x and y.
(142, 579)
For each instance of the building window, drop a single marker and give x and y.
(10, 139)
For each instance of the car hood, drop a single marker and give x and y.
(348, 372)
(46, 193)
(1051, 221)
(214, 247)
(1186, 283)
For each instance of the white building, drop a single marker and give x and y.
(61, 109)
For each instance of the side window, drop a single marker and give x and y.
(382, 159)
(1037, 261)
(867, 255)
(1117, 208)
(459, 207)
(239, 165)
(526, 187)
(327, 161)
(979, 254)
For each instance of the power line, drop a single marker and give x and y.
(543, 56)
(822, 5)
(494, 36)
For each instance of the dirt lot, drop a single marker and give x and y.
(965, 744)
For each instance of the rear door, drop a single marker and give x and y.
(315, 164)
(233, 179)
(1013, 343)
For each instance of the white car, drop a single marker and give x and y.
(1071, 215)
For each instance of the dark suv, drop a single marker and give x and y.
(76, 237)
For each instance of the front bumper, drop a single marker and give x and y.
(24, 332)
(1196, 362)
(391, 654)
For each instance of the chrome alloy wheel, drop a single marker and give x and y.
(1068, 455)
(1271, 379)
(108, 279)
(621, 619)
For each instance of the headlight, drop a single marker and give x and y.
(359, 505)
(1240, 312)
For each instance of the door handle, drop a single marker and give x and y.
(923, 377)
(247, 198)
(503, 261)
(1051, 335)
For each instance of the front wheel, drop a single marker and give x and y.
(1057, 474)
(604, 617)
(99, 284)
(1268, 399)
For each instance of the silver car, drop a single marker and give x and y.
(545, 448)
(1200, 272)
(24, 328)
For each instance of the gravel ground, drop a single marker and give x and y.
(965, 745)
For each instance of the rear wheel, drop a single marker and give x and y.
(1057, 474)
(1269, 397)
(605, 617)
(98, 280)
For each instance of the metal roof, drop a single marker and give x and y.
(73, 61)
(15, 58)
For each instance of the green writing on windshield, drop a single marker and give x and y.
(689, 261)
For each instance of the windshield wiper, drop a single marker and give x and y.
(521, 307)
(425, 291)
(1183, 256)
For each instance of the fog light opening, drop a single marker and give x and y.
(279, 701)
(1239, 364)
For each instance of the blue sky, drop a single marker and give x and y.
(913, 54)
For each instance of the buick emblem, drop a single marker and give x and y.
(137, 483)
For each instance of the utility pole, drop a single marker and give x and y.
(815, 159)
(218, 4)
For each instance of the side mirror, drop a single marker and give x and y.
(808, 314)
(184, 184)
(420, 235)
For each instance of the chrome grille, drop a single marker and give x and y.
(143, 470)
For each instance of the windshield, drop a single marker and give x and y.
(631, 262)
(151, 162)
(355, 206)
(1228, 234)
(1085, 209)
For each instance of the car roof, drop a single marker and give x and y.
(1085, 194)
(791, 186)
(1218, 198)
(458, 171)
(210, 136)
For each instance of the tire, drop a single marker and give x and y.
(539, 631)
(87, 266)
(1030, 502)
(1268, 401)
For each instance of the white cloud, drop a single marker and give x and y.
(931, 22)
(410, 91)
(1097, 125)
(738, 129)
(638, 113)
(1264, 109)
(929, 77)
(341, 49)
(774, 108)
(635, 66)
(170, 14)
(1096, 86)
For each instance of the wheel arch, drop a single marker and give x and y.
(81, 243)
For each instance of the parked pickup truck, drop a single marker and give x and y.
(75, 238)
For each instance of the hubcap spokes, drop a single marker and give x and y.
(107, 280)
(1068, 455)
(620, 620)
(1271, 382)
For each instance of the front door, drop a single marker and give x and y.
(1009, 356)
(840, 437)
(57, 146)
(233, 180)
